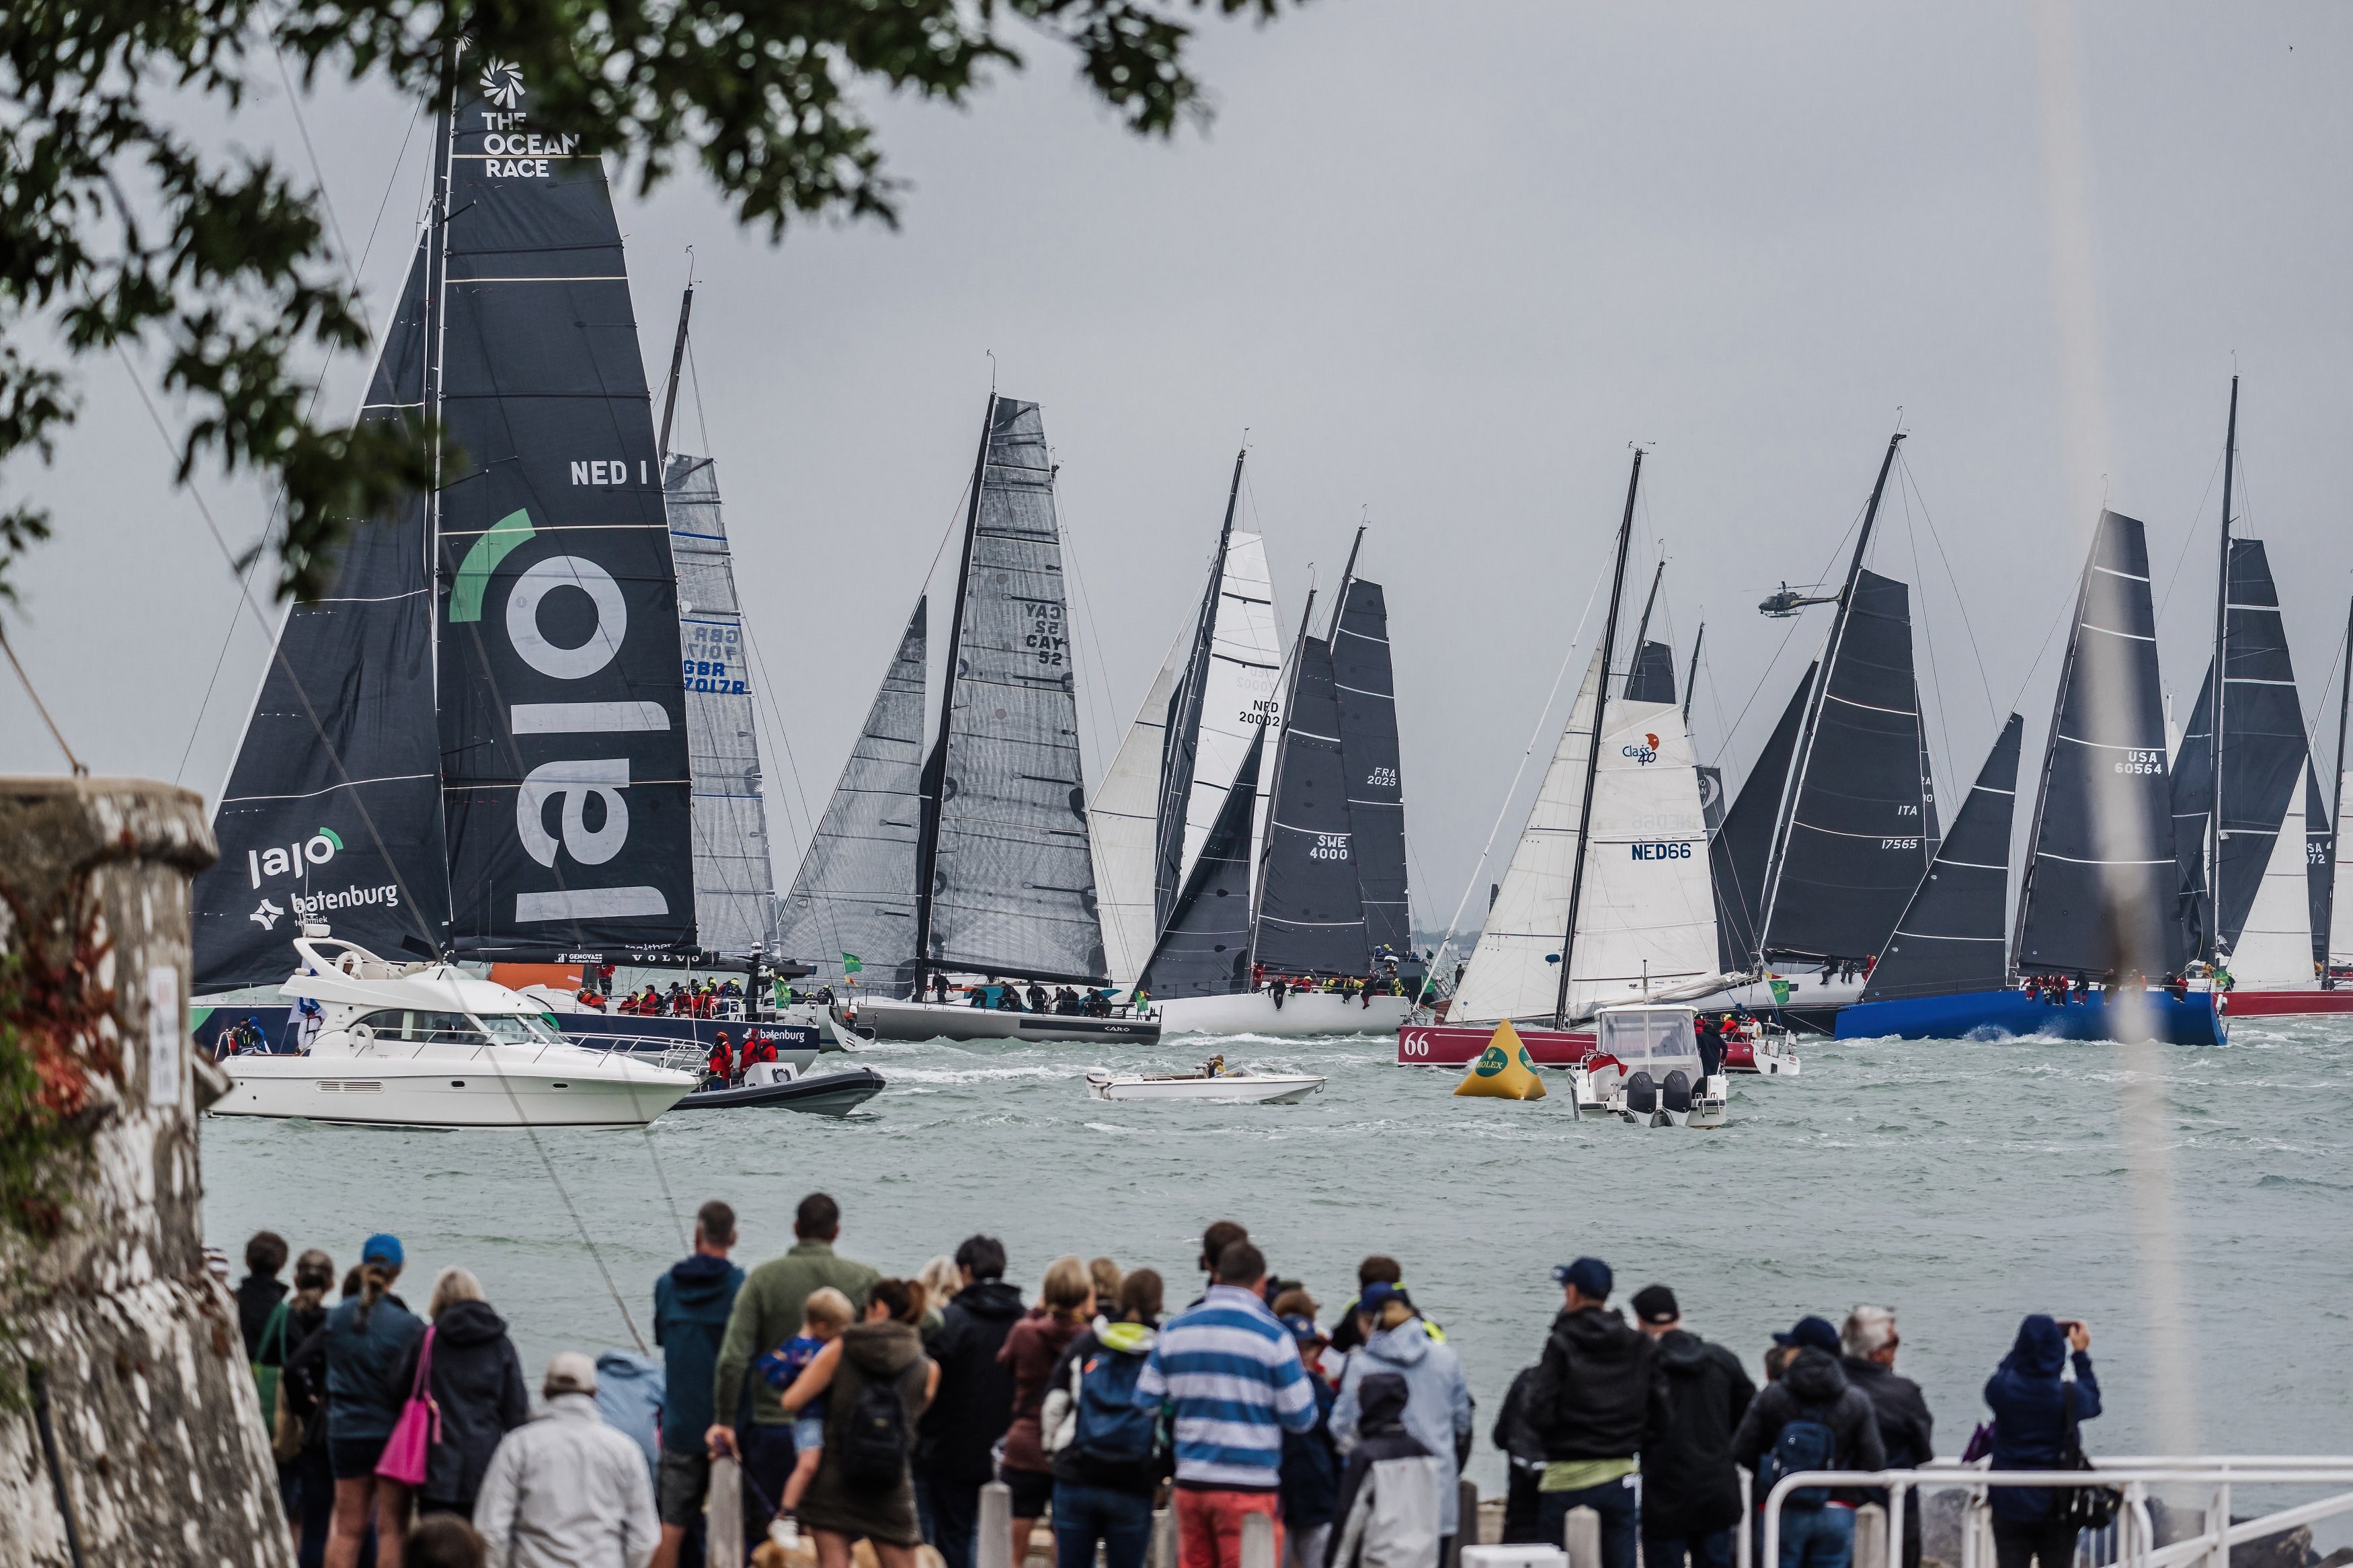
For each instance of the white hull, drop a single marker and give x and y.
(1227, 1088)
(1706, 1108)
(580, 1089)
(895, 1020)
(1302, 1016)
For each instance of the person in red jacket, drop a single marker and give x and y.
(1066, 1305)
(721, 1062)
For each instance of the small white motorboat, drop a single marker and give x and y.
(1215, 1084)
(1656, 1076)
(427, 1045)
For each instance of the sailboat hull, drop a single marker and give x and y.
(895, 1020)
(2303, 1004)
(2013, 1014)
(1460, 1045)
(1304, 1015)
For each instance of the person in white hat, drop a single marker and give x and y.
(566, 1491)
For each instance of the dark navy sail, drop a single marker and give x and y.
(1182, 742)
(1364, 684)
(1741, 849)
(2100, 876)
(1854, 846)
(1653, 680)
(2263, 755)
(1205, 952)
(854, 895)
(1311, 912)
(332, 809)
(2319, 864)
(1951, 937)
(563, 742)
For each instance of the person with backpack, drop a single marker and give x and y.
(1066, 1302)
(1811, 1418)
(1390, 1494)
(1439, 1412)
(876, 1382)
(2036, 1412)
(1597, 1398)
(975, 1402)
(1311, 1459)
(1690, 1488)
(1105, 1449)
(475, 1380)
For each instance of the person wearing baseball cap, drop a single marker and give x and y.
(1311, 1462)
(1812, 1394)
(364, 1342)
(1439, 1412)
(573, 1488)
(1596, 1397)
(1690, 1488)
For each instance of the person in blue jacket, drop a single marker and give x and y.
(692, 1303)
(365, 1341)
(2035, 1411)
(1311, 1465)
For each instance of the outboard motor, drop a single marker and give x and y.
(1677, 1092)
(1642, 1094)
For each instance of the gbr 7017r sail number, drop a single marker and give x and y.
(2142, 763)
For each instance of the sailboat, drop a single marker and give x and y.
(997, 882)
(1608, 897)
(2333, 909)
(2096, 902)
(481, 743)
(2240, 818)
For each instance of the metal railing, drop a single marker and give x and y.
(2136, 1544)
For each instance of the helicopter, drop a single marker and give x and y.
(1788, 601)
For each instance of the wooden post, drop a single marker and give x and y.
(1258, 1541)
(1466, 1520)
(1581, 1536)
(130, 1428)
(993, 1541)
(1870, 1536)
(1162, 1553)
(722, 1512)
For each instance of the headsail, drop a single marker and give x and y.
(1653, 680)
(1011, 889)
(1205, 952)
(1311, 911)
(564, 747)
(2319, 864)
(1121, 821)
(1951, 938)
(735, 886)
(1741, 849)
(2100, 878)
(855, 892)
(1368, 748)
(2275, 947)
(333, 808)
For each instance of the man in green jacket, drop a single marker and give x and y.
(767, 1313)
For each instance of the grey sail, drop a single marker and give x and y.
(1012, 878)
(1951, 938)
(1740, 849)
(1205, 952)
(1364, 682)
(855, 892)
(2319, 863)
(1654, 676)
(1311, 911)
(2098, 893)
(734, 887)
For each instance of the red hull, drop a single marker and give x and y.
(1458, 1045)
(2287, 1004)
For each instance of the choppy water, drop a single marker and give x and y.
(1962, 1183)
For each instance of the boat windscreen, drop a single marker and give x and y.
(517, 1029)
(1657, 1040)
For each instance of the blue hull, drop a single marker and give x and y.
(1999, 1015)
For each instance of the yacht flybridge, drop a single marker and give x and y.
(427, 1045)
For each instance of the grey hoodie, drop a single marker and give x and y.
(568, 1492)
(1437, 1403)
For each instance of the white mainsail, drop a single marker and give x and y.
(1122, 818)
(1238, 696)
(2274, 950)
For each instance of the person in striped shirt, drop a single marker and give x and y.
(1230, 1373)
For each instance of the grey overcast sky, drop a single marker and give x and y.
(1444, 262)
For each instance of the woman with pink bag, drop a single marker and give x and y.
(367, 1337)
(473, 1380)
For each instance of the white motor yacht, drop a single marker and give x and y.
(427, 1045)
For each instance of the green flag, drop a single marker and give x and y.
(1780, 992)
(850, 965)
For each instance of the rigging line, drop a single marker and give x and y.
(1928, 636)
(227, 637)
(40, 707)
(1905, 465)
(278, 655)
(1087, 604)
(783, 742)
(2187, 536)
(319, 178)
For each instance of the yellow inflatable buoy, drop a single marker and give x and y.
(1503, 1070)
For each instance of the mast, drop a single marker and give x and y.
(1347, 575)
(677, 363)
(1289, 696)
(2337, 785)
(1181, 733)
(928, 836)
(1642, 626)
(1821, 692)
(2222, 649)
(437, 335)
(1593, 750)
(1691, 681)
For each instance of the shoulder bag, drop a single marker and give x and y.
(418, 1429)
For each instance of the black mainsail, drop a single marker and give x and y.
(854, 895)
(1365, 683)
(1005, 878)
(1952, 937)
(2098, 892)
(1311, 911)
(1741, 848)
(1205, 952)
(332, 809)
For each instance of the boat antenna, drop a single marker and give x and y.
(2213, 922)
(1691, 681)
(927, 837)
(676, 363)
(1593, 750)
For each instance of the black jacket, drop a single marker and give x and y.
(1596, 1392)
(1690, 1485)
(975, 1403)
(256, 1297)
(1381, 1435)
(1906, 1430)
(477, 1383)
(1311, 1467)
(1814, 1383)
(1516, 1433)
